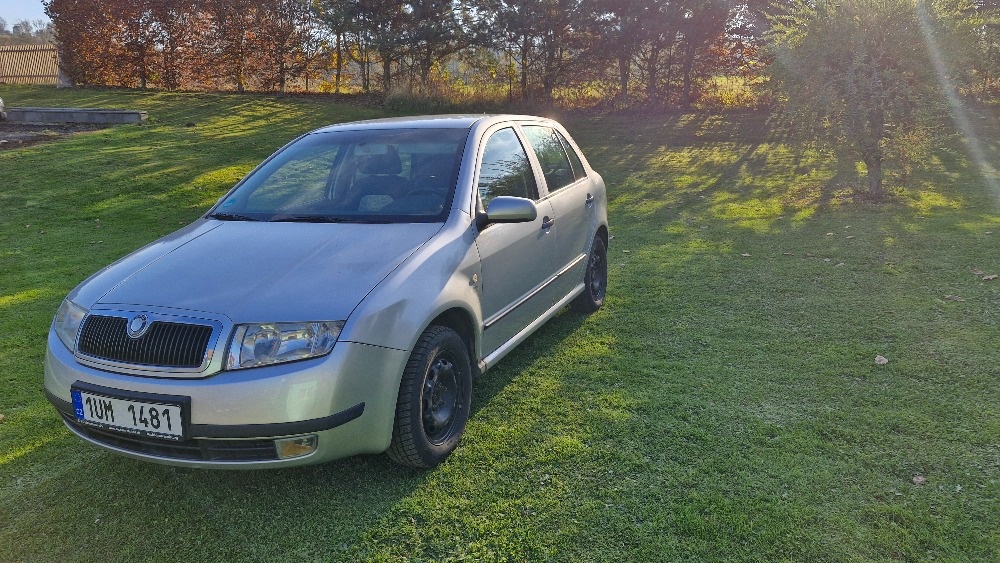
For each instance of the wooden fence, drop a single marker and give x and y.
(29, 64)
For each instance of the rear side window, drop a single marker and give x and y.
(574, 159)
(549, 148)
(505, 170)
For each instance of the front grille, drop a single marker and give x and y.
(166, 344)
(190, 450)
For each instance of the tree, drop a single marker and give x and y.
(136, 32)
(285, 28)
(384, 26)
(620, 29)
(84, 39)
(338, 17)
(437, 33)
(705, 24)
(854, 72)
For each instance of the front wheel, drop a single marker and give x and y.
(595, 279)
(434, 399)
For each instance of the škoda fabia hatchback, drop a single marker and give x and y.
(338, 300)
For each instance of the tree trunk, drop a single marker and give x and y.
(624, 75)
(688, 66)
(386, 72)
(875, 175)
(653, 64)
(524, 68)
(340, 62)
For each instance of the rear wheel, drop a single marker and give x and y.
(434, 399)
(595, 279)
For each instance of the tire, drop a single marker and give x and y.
(435, 395)
(595, 279)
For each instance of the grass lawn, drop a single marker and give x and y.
(725, 403)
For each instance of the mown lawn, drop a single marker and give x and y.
(725, 404)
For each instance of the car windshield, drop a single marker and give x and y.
(366, 176)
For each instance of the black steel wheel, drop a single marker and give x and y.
(595, 279)
(434, 398)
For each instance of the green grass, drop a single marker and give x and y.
(724, 404)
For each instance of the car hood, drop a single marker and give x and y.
(259, 272)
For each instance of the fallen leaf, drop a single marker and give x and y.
(1, 418)
(990, 277)
(829, 234)
(849, 237)
(977, 272)
(919, 479)
(626, 252)
(953, 298)
(828, 260)
(788, 254)
(839, 265)
(881, 360)
(745, 255)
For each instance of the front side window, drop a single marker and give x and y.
(505, 170)
(379, 176)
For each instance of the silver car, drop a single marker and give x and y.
(338, 300)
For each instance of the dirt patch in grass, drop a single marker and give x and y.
(18, 135)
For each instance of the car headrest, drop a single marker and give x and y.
(388, 163)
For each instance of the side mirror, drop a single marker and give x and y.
(507, 209)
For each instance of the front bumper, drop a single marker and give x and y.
(347, 399)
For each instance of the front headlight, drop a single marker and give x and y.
(274, 343)
(67, 323)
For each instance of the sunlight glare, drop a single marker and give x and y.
(978, 154)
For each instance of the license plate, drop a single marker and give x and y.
(138, 417)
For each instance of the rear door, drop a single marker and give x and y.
(571, 194)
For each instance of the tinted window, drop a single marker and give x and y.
(551, 155)
(505, 170)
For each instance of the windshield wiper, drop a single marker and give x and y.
(232, 217)
(325, 219)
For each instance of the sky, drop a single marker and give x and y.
(13, 11)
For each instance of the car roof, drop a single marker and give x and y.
(453, 121)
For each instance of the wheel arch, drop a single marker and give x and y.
(461, 322)
(602, 231)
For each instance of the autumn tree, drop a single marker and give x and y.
(285, 39)
(856, 73)
(181, 26)
(84, 39)
(135, 31)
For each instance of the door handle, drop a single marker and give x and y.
(547, 222)
(590, 200)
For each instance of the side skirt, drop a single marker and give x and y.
(506, 347)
